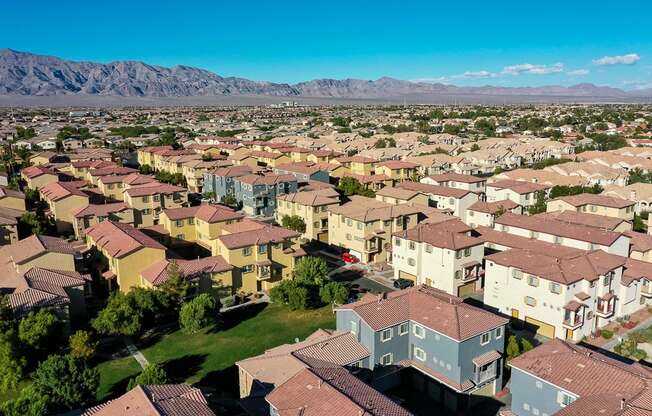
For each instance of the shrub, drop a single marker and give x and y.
(607, 334)
(298, 298)
(198, 313)
(82, 346)
(334, 292)
(513, 348)
(152, 374)
(526, 345)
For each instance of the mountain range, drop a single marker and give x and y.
(24, 74)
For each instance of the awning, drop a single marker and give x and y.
(486, 358)
(264, 263)
(607, 296)
(108, 275)
(582, 296)
(573, 306)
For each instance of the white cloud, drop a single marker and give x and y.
(578, 72)
(533, 69)
(466, 75)
(629, 59)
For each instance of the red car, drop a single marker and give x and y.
(349, 258)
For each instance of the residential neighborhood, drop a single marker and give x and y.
(327, 260)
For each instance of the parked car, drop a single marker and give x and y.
(349, 258)
(357, 289)
(401, 283)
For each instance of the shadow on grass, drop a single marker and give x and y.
(234, 317)
(180, 369)
(118, 388)
(154, 337)
(225, 382)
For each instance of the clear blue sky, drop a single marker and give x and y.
(460, 42)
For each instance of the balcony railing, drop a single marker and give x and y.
(605, 309)
(573, 323)
(646, 290)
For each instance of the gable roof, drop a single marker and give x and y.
(119, 239)
(158, 272)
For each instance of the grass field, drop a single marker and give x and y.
(207, 358)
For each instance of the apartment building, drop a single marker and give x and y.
(565, 234)
(149, 200)
(261, 254)
(364, 226)
(397, 170)
(89, 215)
(602, 222)
(123, 252)
(64, 199)
(562, 295)
(12, 199)
(458, 181)
(454, 200)
(395, 196)
(194, 172)
(80, 169)
(221, 180)
(36, 177)
(146, 154)
(303, 172)
(522, 193)
(449, 359)
(201, 224)
(257, 193)
(594, 204)
(484, 214)
(94, 175)
(592, 173)
(357, 165)
(40, 271)
(560, 378)
(442, 255)
(312, 207)
(9, 218)
(211, 275)
(640, 193)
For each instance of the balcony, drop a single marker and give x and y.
(573, 315)
(471, 271)
(264, 270)
(573, 322)
(605, 306)
(646, 289)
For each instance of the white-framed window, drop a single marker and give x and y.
(458, 254)
(403, 328)
(458, 274)
(248, 268)
(517, 274)
(419, 354)
(564, 399)
(387, 359)
(499, 332)
(412, 245)
(246, 251)
(467, 252)
(397, 242)
(419, 331)
(539, 385)
(411, 262)
(386, 335)
(485, 338)
(555, 288)
(428, 248)
(354, 327)
(533, 281)
(530, 301)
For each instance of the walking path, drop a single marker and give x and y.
(135, 352)
(618, 338)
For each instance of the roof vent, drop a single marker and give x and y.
(568, 380)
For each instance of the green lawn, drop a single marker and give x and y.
(208, 358)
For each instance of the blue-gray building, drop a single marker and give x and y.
(257, 193)
(454, 351)
(558, 377)
(303, 172)
(221, 181)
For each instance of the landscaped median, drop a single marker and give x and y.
(207, 358)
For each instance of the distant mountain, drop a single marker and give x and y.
(26, 74)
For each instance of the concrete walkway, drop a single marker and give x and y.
(135, 352)
(618, 338)
(262, 299)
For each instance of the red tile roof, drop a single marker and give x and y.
(102, 210)
(263, 235)
(592, 199)
(158, 272)
(432, 308)
(119, 239)
(520, 187)
(456, 177)
(434, 189)
(446, 234)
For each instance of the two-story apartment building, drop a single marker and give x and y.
(123, 252)
(452, 350)
(303, 171)
(442, 255)
(393, 195)
(10, 198)
(484, 214)
(36, 177)
(364, 226)
(84, 217)
(257, 193)
(520, 192)
(149, 200)
(458, 181)
(594, 204)
(64, 199)
(397, 170)
(312, 207)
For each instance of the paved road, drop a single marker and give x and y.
(352, 277)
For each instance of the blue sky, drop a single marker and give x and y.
(471, 42)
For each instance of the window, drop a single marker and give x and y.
(145, 199)
(458, 254)
(485, 338)
(191, 221)
(147, 211)
(387, 223)
(419, 354)
(181, 237)
(348, 237)
(467, 252)
(156, 198)
(499, 332)
(607, 279)
(419, 331)
(530, 301)
(248, 268)
(403, 328)
(412, 245)
(471, 213)
(387, 359)
(359, 225)
(428, 248)
(458, 274)
(555, 287)
(517, 274)
(386, 335)
(246, 251)
(564, 399)
(411, 262)
(533, 281)
(397, 242)
(262, 249)
(348, 222)
(179, 223)
(354, 327)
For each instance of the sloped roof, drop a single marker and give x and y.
(120, 239)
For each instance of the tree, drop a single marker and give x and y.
(198, 313)
(12, 365)
(540, 204)
(151, 303)
(294, 222)
(311, 270)
(351, 186)
(334, 292)
(229, 200)
(31, 222)
(41, 330)
(151, 374)
(299, 298)
(475, 147)
(6, 314)
(176, 286)
(639, 224)
(280, 292)
(526, 345)
(68, 383)
(513, 349)
(146, 169)
(29, 403)
(82, 347)
(120, 316)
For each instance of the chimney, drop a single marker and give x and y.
(622, 404)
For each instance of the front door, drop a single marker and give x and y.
(514, 313)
